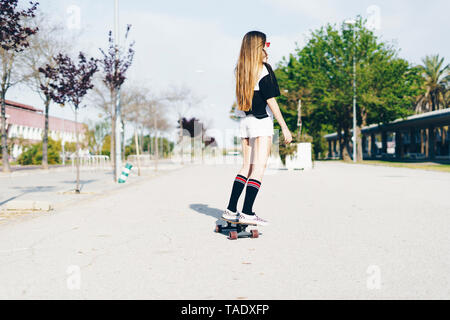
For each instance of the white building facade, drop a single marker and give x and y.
(25, 125)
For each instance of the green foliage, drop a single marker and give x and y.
(96, 135)
(233, 109)
(70, 147)
(9, 148)
(129, 150)
(321, 75)
(149, 146)
(33, 153)
(436, 84)
(106, 147)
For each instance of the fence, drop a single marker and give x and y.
(91, 162)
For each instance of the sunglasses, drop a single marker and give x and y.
(267, 44)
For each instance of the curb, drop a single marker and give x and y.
(28, 205)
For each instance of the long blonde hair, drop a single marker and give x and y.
(248, 66)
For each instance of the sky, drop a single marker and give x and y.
(196, 43)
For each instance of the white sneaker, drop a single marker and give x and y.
(230, 215)
(252, 219)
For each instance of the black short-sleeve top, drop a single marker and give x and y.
(266, 87)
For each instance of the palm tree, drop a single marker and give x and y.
(436, 84)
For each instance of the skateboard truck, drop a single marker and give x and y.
(236, 230)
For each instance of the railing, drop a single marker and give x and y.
(145, 160)
(91, 162)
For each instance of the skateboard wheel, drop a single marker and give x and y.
(232, 235)
(218, 229)
(255, 234)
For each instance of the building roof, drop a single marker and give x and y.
(28, 116)
(21, 106)
(423, 120)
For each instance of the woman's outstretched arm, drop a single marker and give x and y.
(273, 105)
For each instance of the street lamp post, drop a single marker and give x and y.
(118, 122)
(353, 23)
(299, 119)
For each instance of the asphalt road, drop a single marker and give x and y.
(338, 231)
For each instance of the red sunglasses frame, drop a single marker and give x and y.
(267, 44)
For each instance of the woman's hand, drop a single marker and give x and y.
(287, 135)
(273, 105)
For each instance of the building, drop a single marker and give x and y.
(25, 125)
(422, 136)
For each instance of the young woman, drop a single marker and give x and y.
(256, 89)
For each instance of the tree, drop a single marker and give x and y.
(192, 126)
(44, 45)
(387, 85)
(181, 100)
(115, 64)
(69, 83)
(154, 119)
(133, 101)
(437, 77)
(33, 154)
(14, 36)
(97, 135)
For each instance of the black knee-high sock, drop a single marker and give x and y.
(238, 186)
(250, 195)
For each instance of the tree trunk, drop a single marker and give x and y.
(345, 146)
(136, 142)
(122, 140)
(113, 134)
(443, 135)
(5, 155)
(181, 141)
(45, 138)
(359, 146)
(339, 139)
(422, 151)
(156, 143)
(77, 157)
(141, 145)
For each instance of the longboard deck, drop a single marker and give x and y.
(237, 222)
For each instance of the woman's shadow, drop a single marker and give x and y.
(206, 210)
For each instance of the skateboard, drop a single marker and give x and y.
(236, 229)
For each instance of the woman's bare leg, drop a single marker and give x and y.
(260, 155)
(260, 148)
(246, 155)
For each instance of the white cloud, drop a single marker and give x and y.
(321, 10)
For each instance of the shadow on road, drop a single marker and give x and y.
(212, 212)
(83, 182)
(26, 190)
(206, 210)
(34, 189)
(10, 199)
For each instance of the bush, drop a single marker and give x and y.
(33, 153)
(106, 147)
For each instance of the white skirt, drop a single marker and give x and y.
(252, 127)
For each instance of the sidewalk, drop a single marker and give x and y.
(20, 190)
